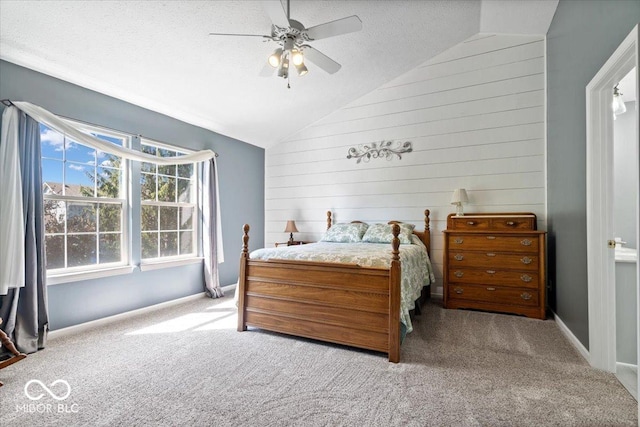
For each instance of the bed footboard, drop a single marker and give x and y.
(339, 303)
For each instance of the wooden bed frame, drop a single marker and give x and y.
(338, 303)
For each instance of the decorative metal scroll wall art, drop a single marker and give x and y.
(379, 150)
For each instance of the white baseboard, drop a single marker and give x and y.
(119, 317)
(572, 338)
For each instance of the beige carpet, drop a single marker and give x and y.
(186, 365)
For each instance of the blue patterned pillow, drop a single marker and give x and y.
(381, 233)
(345, 233)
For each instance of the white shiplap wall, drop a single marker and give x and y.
(475, 117)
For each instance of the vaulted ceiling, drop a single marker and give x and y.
(159, 55)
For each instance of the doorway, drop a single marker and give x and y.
(601, 218)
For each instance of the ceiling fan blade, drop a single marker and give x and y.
(320, 59)
(335, 28)
(241, 35)
(276, 12)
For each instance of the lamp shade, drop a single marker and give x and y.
(291, 227)
(459, 196)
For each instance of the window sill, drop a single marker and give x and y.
(168, 263)
(88, 275)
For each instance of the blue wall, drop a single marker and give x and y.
(241, 174)
(582, 36)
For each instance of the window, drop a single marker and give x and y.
(168, 198)
(84, 203)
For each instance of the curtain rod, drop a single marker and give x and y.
(8, 103)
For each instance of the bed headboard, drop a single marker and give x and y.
(425, 235)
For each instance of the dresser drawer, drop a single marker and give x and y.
(493, 242)
(508, 261)
(469, 223)
(493, 294)
(513, 223)
(511, 279)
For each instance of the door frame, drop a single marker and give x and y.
(600, 259)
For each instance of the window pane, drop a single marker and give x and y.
(54, 216)
(184, 190)
(168, 218)
(81, 217)
(51, 143)
(186, 218)
(186, 242)
(167, 170)
(149, 149)
(52, 176)
(79, 180)
(168, 244)
(185, 171)
(148, 186)
(54, 247)
(166, 189)
(149, 245)
(163, 152)
(148, 167)
(108, 182)
(149, 218)
(108, 160)
(109, 248)
(110, 217)
(81, 250)
(78, 153)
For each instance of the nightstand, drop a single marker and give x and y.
(289, 243)
(495, 262)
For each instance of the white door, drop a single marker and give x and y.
(600, 215)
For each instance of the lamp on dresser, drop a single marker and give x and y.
(291, 228)
(458, 198)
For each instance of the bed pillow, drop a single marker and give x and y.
(381, 233)
(345, 233)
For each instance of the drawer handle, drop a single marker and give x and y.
(458, 241)
(471, 223)
(491, 271)
(458, 290)
(526, 260)
(511, 223)
(491, 289)
(525, 242)
(526, 278)
(458, 274)
(490, 254)
(491, 237)
(459, 257)
(525, 296)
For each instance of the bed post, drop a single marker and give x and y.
(427, 231)
(328, 220)
(394, 297)
(242, 279)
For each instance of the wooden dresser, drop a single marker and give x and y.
(495, 262)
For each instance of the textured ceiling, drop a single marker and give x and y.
(158, 54)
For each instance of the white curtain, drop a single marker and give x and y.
(48, 118)
(11, 215)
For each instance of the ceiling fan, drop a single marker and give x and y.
(293, 38)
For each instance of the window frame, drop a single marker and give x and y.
(97, 270)
(194, 256)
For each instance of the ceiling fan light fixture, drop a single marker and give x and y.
(274, 59)
(618, 103)
(296, 57)
(302, 69)
(283, 71)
